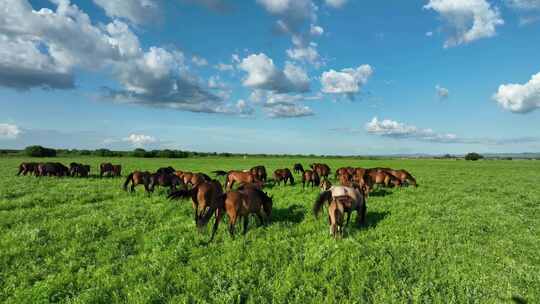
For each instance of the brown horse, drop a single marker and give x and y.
(404, 177)
(240, 177)
(206, 200)
(336, 215)
(343, 170)
(298, 168)
(166, 170)
(312, 177)
(138, 178)
(345, 179)
(26, 168)
(193, 179)
(283, 175)
(322, 170)
(240, 204)
(378, 177)
(259, 172)
(110, 169)
(164, 180)
(53, 169)
(76, 169)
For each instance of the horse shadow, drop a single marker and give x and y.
(380, 193)
(292, 214)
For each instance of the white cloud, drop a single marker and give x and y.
(224, 67)
(394, 129)
(443, 93)
(140, 140)
(305, 54)
(316, 30)
(468, 20)
(9, 131)
(288, 111)
(199, 61)
(263, 74)
(335, 3)
(429, 34)
(136, 11)
(348, 81)
(520, 98)
(215, 82)
(293, 13)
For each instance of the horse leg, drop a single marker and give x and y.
(232, 222)
(219, 214)
(348, 216)
(246, 222)
(261, 218)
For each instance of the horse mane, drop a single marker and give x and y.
(323, 197)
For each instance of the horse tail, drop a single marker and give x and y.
(21, 169)
(220, 173)
(325, 196)
(128, 179)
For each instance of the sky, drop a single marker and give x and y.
(272, 76)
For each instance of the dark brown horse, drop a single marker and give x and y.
(233, 176)
(110, 169)
(165, 180)
(298, 168)
(259, 172)
(283, 175)
(138, 178)
(310, 177)
(76, 169)
(322, 169)
(26, 168)
(53, 169)
(166, 170)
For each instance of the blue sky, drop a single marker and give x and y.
(272, 76)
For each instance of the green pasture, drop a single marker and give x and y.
(470, 233)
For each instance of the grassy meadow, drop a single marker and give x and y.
(469, 234)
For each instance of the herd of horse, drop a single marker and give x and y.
(212, 199)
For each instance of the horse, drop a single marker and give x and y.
(113, 170)
(325, 184)
(53, 169)
(343, 170)
(336, 214)
(322, 169)
(193, 179)
(312, 177)
(166, 170)
(283, 175)
(404, 177)
(205, 200)
(356, 202)
(138, 178)
(259, 172)
(374, 177)
(345, 179)
(164, 180)
(236, 176)
(26, 168)
(76, 169)
(298, 168)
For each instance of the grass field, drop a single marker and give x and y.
(469, 234)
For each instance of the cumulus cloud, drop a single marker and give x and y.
(468, 20)
(442, 93)
(308, 54)
(9, 131)
(293, 14)
(520, 98)
(136, 11)
(348, 81)
(199, 61)
(394, 129)
(264, 75)
(140, 140)
(335, 3)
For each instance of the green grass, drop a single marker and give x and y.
(469, 233)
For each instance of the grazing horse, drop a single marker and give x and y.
(164, 180)
(53, 169)
(259, 172)
(312, 177)
(138, 178)
(298, 168)
(76, 169)
(205, 201)
(374, 177)
(404, 177)
(356, 202)
(283, 175)
(166, 170)
(236, 176)
(322, 169)
(112, 170)
(336, 215)
(25, 168)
